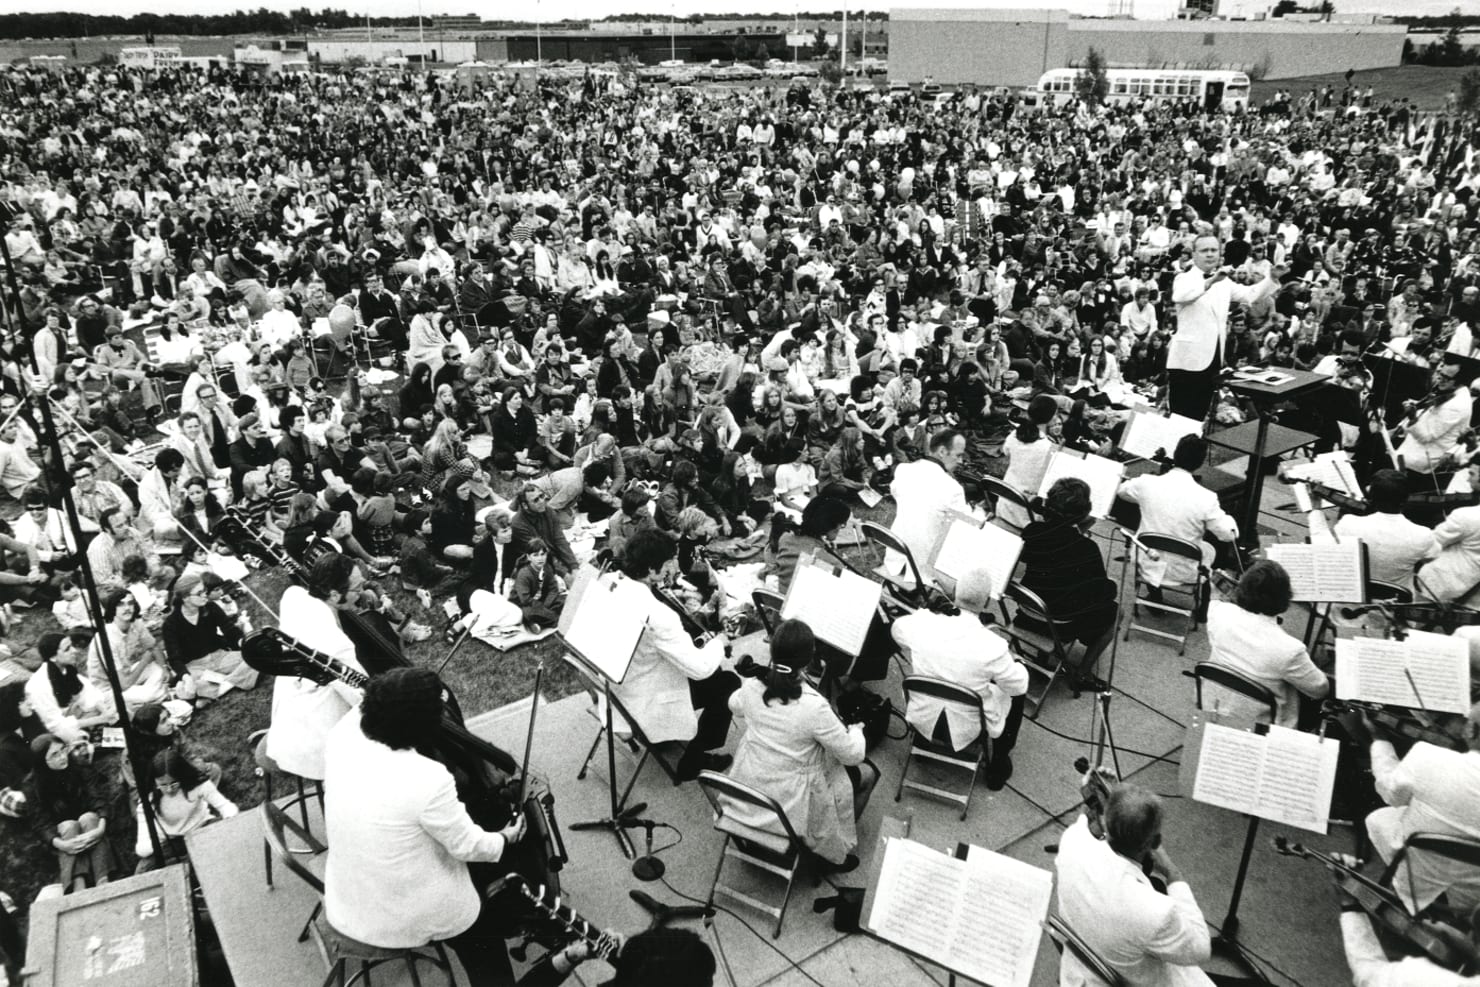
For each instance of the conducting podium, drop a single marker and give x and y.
(1263, 438)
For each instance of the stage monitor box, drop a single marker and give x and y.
(137, 932)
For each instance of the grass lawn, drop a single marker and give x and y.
(1424, 85)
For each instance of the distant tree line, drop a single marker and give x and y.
(1448, 50)
(67, 24)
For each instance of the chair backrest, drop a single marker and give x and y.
(952, 695)
(768, 604)
(997, 490)
(1030, 604)
(276, 824)
(1168, 545)
(152, 339)
(722, 790)
(1065, 938)
(1429, 865)
(1223, 677)
(883, 536)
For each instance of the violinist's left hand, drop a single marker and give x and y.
(1356, 725)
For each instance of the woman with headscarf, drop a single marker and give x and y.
(797, 751)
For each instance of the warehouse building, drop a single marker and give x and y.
(1014, 47)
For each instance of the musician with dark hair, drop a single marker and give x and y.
(304, 712)
(675, 689)
(400, 840)
(1064, 567)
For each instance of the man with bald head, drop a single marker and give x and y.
(1203, 295)
(1148, 937)
(961, 649)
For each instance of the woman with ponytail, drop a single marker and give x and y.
(1028, 451)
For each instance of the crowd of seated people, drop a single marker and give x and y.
(474, 337)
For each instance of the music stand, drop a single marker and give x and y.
(600, 626)
(1262, 438)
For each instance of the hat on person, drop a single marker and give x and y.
(776, 365)
(13, 802)
(249, 420)
(112, 331)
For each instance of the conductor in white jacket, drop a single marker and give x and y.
(674, 689)
(1203, 296)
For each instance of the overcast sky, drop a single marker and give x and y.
(548, 10)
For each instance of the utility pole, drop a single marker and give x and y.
(843, 47)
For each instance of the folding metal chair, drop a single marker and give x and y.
(912, 587)
(1437, 875)
(1043, 652)
(765, 840)
(970, 757)
(768, 604)
(1194, 592)
(998, 491)
(1066, 939)
(1217, 684)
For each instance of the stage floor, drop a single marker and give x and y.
(1288, 911)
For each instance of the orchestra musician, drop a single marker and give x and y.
(304, 712)
(399, 839)
(1435, 424)
(676, 689)
(1429, 790)
(1395, 545)
(1369, 963)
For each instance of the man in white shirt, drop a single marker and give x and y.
(923, 492)
(1369, 961)
(303, 712)
(1431, 790)
(1435, 433)
(1203, 296)
(1151, 939)
(962, 650)
(399, 839)
(1396, 546)
(1176, 504)
(1139, 315)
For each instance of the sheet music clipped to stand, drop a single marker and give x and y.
(1328, 572)
(979, 917)
(968, 543)
(837, 604)
(1424, 671)
(603, 619)
(1330, 469)
(1269, 772)
(1146, 432)
(1103, 476)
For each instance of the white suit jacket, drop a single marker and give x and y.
(922, 490)
(1202, 316)
(1176, 504)
(1395, 545)
(1150, 939)
(1257, 647)
(1436, 432)
(656, 687)
(399, 842)
(303, 713)
(962, 651)
(1457, 569)
(1431, 790)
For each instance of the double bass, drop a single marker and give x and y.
(488, 778)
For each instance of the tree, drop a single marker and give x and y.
(1093, 82)
(831, 72)
(1284, 7)
(820, 47)
(1469, 93)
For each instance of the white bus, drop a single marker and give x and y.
(1212, 88)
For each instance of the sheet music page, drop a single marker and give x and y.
(1440, 666)
(1323, 573)
(609, 618)
(871, 498)
(1330, 469)
(1147, 432)
(1229, 767)
(838, 608)
(1103, 476)
(978, 917)
(967, 544)
(1371, 669)
(1299, 774)
(1010, 898)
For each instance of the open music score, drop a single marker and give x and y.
(979, 917)
(1146, 432)
(1324, 573)
(1269, 772)
(1103, 476)
(967, 543)
(1329, 469)
(1424, 671)
(837, 604)
(603, 618)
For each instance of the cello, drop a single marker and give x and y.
(487, 777)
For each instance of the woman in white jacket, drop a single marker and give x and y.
(796, 750)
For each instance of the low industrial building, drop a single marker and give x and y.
(1014, 47)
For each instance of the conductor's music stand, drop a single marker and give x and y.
(600, 626)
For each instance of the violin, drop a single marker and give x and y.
(1443, 944)
(1446, 731)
